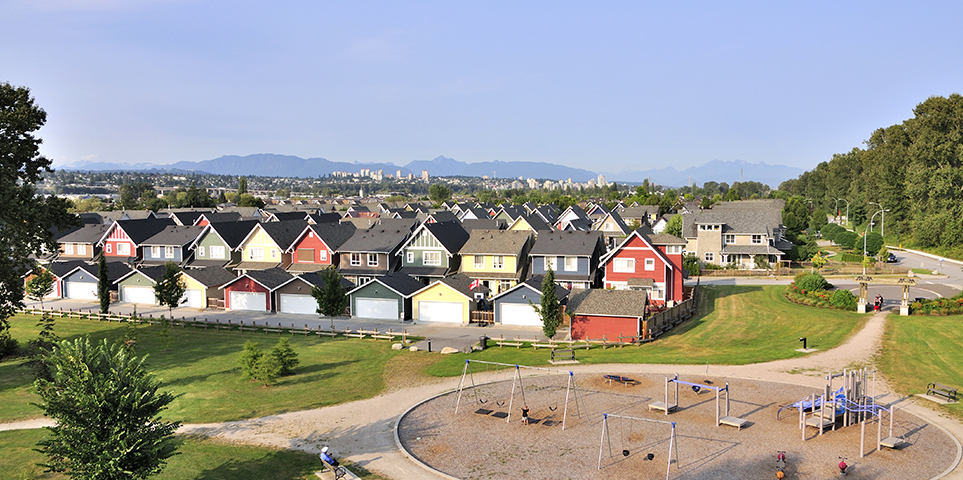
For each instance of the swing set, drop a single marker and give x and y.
(625, 445)
(572, 393)
(722, 416)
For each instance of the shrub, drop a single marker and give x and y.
(843, 299)
(8, 345)
(811, 282)
(846, 239)
(249, 357)
(285, 356)
(849, 257)
(830, 231)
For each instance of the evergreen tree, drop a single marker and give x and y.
(107, 411)
(242, 186)
(103, 284)
(331, 296)
(285, 356)
(548, 309)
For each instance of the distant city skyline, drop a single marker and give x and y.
(606, 87)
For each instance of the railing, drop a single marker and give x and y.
(481, 316)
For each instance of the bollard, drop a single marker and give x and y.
(429, 345)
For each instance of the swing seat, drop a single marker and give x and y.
(483, 411)
(891, 442)
(500, 414)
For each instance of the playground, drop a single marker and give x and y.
(588, 425)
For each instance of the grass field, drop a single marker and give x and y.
(202, 366)
(921, 349)
(735, 325)
(198, 459)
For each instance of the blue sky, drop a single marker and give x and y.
(607, 86)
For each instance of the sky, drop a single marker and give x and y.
(606, 86)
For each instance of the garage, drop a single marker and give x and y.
(248, 301)
(446, 312)
(81, 290)
(193, 298)
(301, 304)
(385, 309)
(144, 295)
(519, 314)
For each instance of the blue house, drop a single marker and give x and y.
(572, 255)
(170, 245)
(515, 306)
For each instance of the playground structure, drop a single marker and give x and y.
(850, 404)
(571, 391)
(722, 416)
(673, 447)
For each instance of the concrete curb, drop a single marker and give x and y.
(405, 452)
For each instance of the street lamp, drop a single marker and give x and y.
(847, 208)
(882, 221)
(865, 234)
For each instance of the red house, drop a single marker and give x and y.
(616, 315)
(124, 236)
(316, 247)
(647, 261)
(254, 290)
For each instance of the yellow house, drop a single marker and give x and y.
(264, 247)
(496, 258)
(202, 286)
(530, 223)
(448, 300)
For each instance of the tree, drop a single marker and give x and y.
(38, 349)
(248, 200)
(548, 309)
(331, 296)
(674, 226)
(819, 262)
(40, 285)
(26, 218)
(103, 284)
(221, 197)
(242, 186)
(107, 411)
(258, 365)
(285, 356)
(690, 263)
(439, 192)
(170, 289)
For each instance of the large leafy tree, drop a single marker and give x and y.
(674, 226)
(107, 409)
(439, 192)
(170, 289)
(331, 296)
(26, 218)
(548, 308)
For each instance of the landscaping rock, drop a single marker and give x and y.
(412, 348)
(396, 346)
(447, 350)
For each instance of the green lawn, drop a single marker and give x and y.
(198, 459)
(202, 366)
(921, 349)
(735, 325)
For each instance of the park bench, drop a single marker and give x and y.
(563, 356)
(338, 471)
(949, 393)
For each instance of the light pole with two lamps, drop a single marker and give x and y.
(865, 234)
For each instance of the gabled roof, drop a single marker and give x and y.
(496, 242)
(535, 285)
(397, 282)
(597, 208)
(152, 273)
(377, 239)
(459, 282)
(210, 276)
(232, 233)
(549, 213)
(619, 303)
(175, 235)
(270, 279)
(60, 269)
(187, 217)
(332, 234)
(641, 211)
(286, 216)
(483, 224)
(623, 229)
(215, 217)
(283, 233)
(645, 238)
(739, 217)
(450, 235)
(443, 216)
(318, 218)
(478, 213)
(139, 230)
(86, 234)
(115, 270)
(568, 243)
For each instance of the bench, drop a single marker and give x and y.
(338, 471)
(949, 393)
(563, 356)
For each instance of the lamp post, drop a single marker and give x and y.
(882, 221)
(864, 240)
(847, 208)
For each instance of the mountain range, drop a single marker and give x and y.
(268, 164)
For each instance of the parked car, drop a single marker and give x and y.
(891, 258)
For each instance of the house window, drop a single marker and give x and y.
(107, 247)
(757, 239)
(551, 263)
(69, 248)
(658, 291)
(674, 249)
(410, 257)
(155, 252)
(724, 259)
(709, 256)
(609, 227)
(355, 259)
(372, 259)
(431, 258)
(624, 265)
(123, 249)
(571, 264)
(274, 254)
(504, 285)
(255, 253)
(730, 238)
(168, 252)
(650, 264)
(323, 255)
(216, 252)
(200, 251)
(306, 255)
(479, 261)
(81, 249)
(498, 261)
(363, 280)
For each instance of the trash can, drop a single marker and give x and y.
(483, 342)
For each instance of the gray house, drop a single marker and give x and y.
(387, 297)
(170, 245)
(515, 306)
(431, 253)
(572, 255)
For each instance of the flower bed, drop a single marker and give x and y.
(837, 299)
(938, 306)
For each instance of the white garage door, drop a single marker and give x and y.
(385, 309)
(82, 290)
(448, 312)
(304, 304)
(139, 295)
(248, 301)
(515, 314)
(193, 299)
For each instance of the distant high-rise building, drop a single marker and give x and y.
(424, 175)
(398, 176)
(601, 181)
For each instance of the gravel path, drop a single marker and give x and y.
(363, 431)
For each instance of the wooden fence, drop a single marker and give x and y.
(217, 324)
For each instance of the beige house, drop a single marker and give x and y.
(737, 233)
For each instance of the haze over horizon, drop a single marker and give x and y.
(605, 87)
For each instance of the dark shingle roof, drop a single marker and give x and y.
(62, 268)
(444, 216)
(140, 230)
(744, 216)
(210, 276)
(625, 303)
(86, 234)
(292, 215)
(271, 278)
(154, 273)
(580, 244)
(483, 224)
(189, 217)
(458, 282)
(538, 223)
(175, 235)
(376, 239)
(314, 278)
(320, 218)
(499, 242)
(450, 234)
(285, 232)
(233, 233)
(334, 234)
(535, 284)
(215, 217)
(401, 283)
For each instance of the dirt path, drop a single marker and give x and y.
(363, 431)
